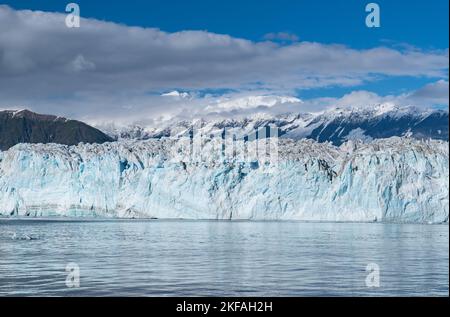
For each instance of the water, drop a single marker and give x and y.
(208, 258)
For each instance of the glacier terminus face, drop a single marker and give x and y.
(387, 180)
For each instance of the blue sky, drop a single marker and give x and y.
(416, 22)
(406, 27)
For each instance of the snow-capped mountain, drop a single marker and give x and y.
(336, 125)
(382, 121)
(396, 179)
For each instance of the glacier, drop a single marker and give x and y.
(387, 180)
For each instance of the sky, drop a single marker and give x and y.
(227, 56)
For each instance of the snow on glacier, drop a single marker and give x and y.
(397, 179)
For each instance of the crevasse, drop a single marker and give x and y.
(390, 180)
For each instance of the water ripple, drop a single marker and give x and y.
(186, 258)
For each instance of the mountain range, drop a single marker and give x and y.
(24, 126)
(335, 126)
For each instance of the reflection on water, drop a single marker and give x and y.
(207, 258)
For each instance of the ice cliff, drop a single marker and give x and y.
(397, 179)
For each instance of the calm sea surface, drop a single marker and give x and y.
(209, 258)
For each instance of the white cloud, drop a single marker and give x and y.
(435, 93)
(247, 102)
(117, 71)
(80, 64)
(177, 94)
(429, 96)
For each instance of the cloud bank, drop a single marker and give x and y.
(107, 70)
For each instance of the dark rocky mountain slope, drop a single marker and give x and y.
(28, 127)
